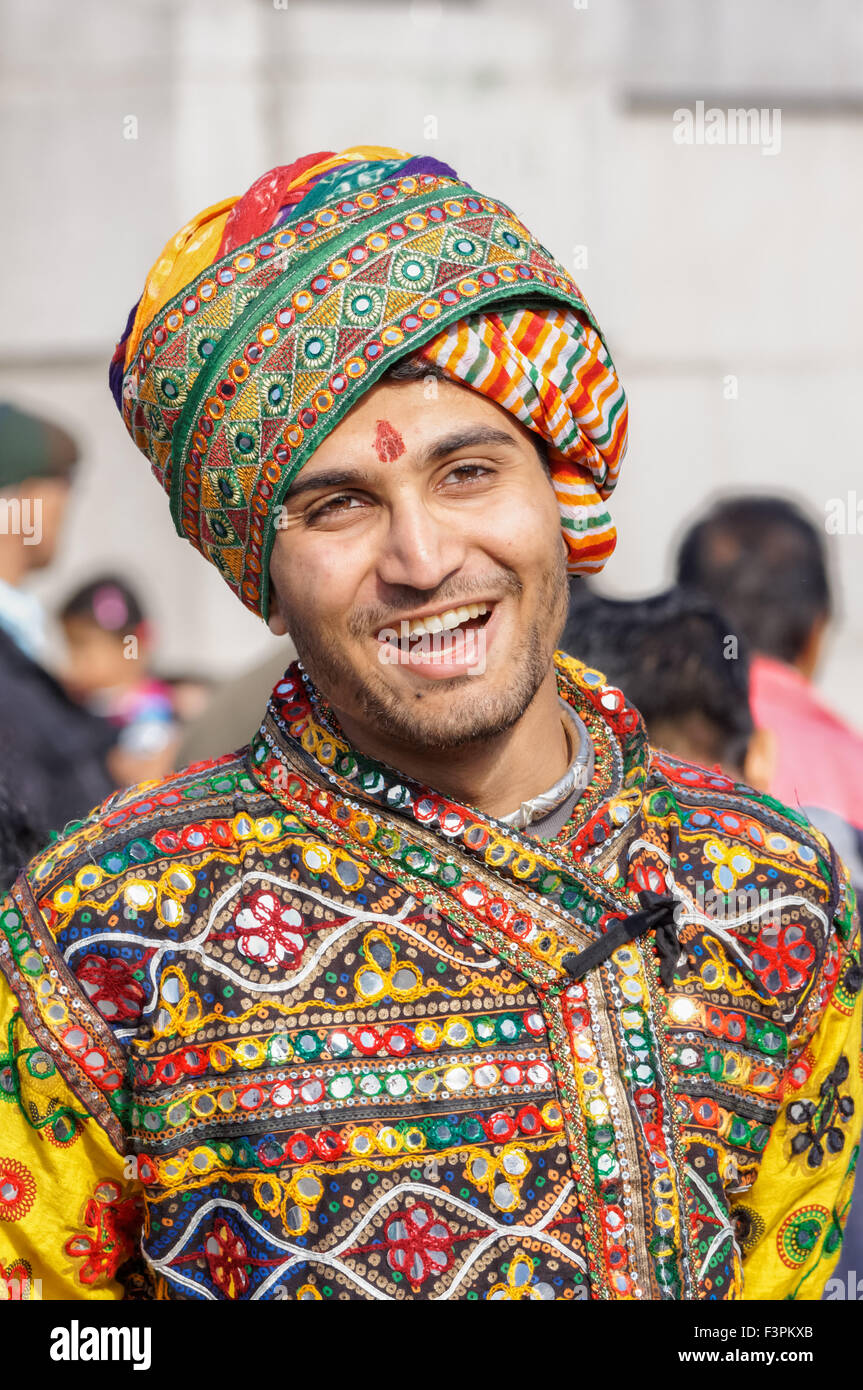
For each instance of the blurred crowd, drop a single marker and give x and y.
(83, 712)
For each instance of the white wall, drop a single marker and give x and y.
(703, 262)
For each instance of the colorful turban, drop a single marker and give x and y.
(268, 316)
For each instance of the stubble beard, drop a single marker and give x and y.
(471, 715)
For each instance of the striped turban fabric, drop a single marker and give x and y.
(268, 316)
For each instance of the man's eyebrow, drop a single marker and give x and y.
(465, 438)
(438, 449)
(334, 477)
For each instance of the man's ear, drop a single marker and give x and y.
(275, 622)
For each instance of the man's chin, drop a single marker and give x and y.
(444, 714)
(380, 701)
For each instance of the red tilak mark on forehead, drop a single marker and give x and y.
(389, 444)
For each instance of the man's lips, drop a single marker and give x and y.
(434, 620)
(442, 652)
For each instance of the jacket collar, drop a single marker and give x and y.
(301, 758)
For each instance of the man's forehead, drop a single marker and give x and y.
(400, 418)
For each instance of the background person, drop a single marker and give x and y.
(109, 644)
(191, 694)
(670, 654)
(53, 752)
(764, 563)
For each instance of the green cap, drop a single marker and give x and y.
(31, 447)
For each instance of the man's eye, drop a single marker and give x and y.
(468, 472)
(336, 506)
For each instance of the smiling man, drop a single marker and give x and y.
(447, 986)
(406, 566)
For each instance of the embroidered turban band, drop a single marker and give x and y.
(268, 316)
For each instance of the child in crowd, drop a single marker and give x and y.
(109, 645)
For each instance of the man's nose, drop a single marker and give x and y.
(420, 549)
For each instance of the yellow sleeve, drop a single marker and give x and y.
(793, 1217)
(69, 1217)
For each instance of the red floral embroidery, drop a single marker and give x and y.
(115, 1220)
(782, 956)
(270, 932)
(227, 1255)
(17, 1190)
(646, 876)
(832, 962)
(16, 1282)
(111, 986)
(418, 1242)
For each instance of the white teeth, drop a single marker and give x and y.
(450, 618)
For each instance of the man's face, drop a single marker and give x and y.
(424, 506)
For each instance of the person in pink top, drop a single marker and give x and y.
(819, 757)
(764, 564)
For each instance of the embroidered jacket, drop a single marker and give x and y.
(287, 1025)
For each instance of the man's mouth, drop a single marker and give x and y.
(449, 642)
(466, 616)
